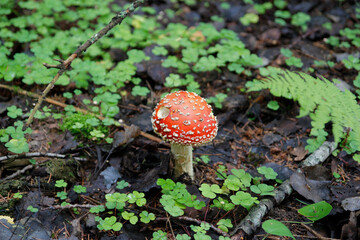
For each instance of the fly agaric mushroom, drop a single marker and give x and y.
(185, 120)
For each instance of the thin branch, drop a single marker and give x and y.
(63, 105)
(39, 154)
(65, 65)
(320, 155)
(70, 206)
(17, 173)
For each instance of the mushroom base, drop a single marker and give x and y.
(183, 156)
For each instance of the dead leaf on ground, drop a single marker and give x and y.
(299, 153)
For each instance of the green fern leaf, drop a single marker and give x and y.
(322, 101)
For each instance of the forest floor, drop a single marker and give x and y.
(44, 193)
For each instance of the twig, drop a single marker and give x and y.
(70, 206)
(65, 65)
(39, 154)
(63, 105)
(17, 173)
(320, 155)
(316, 234)
(253, 220)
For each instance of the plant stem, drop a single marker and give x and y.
(183, 156)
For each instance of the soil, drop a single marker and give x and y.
(250, 136)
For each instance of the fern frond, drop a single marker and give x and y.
(321, 100)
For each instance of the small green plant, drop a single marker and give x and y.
(79, 189)
(204, 158)
(18, 195)
(32, 209)
(62, 195)
(159, 235)
(323, 101)
(210, 191)
(273, 105)
(109, 223)
(176, 197)
(249, 18)
(300, 19)
(313, 212)
(86, 126)
(146, 217)
(130, 216)
(316, 211)
(224, 225)
(137, 198)
(352, 62)
(294, 61)
(217, 100)
(274, 227)
(61, 184)
(263, 189)
(268, 172)
(14, 112)
(140, 91)
(122, 184)
(18, 142)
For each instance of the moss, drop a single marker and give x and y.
(63, 169)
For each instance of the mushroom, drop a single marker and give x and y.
(185, 120)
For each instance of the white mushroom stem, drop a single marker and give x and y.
(183, 156)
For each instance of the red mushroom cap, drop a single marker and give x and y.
(185, 118)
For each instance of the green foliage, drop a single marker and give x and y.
(273, 105)
(109, 223)
(79, 189)
(32, 209)
(87, 126)
(320, 99)
(116, 200)
(61, 184)
(18, 195)
(140, 91)
(352, 62)
(137, 198)
(130, 216)
(17, 145)
(356, 157)
(97, 209)
(277, 228)
(268, 172)
(300, 19)
(62, 195)
(159, 235)
(249, 18)
(176, 197)
(263, 189)
(203, 158)
(222, 203)
(224, 225)
(18, 142)
(218, 99)
(210, 191)
(294, 61)
(160, 51)
(122, 184)
(316, 211)
(14, 112)
(244, 199)
(146, 217)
